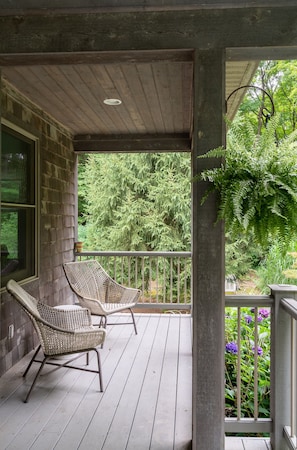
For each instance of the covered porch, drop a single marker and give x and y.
(174, 66)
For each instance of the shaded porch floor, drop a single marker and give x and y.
(146, 403)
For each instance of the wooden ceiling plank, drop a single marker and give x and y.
(160, 74)
(63, 87)
(42, 90)
(115, 114)
(81, 94)
(149, 87)
(174, 74)
(133, 77)
(127, 97)
(94, 95)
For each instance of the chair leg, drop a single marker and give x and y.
(99, 370)
(133, 320)
(103, 321)
(35, 379)
(32, 360)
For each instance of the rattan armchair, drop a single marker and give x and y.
(97, 291)
(60, 332)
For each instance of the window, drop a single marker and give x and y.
(18, 205)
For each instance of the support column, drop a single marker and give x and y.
(208, 257)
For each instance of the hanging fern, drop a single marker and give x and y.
(257, 182)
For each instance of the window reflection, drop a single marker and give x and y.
(16, 160)
(18, 208)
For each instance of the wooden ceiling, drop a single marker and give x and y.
(68, 56)
(156, 90)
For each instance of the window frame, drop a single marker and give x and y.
(22, 275)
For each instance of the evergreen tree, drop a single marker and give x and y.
(137, 201)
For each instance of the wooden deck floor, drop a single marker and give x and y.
(146, 403)
(232, 443)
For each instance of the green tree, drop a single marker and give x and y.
(276, 83)
(137, 201)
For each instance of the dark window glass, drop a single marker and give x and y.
(18, 209)
(17, 181)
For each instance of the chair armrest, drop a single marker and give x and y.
(117, 293)
(65, 319)
(131, 295)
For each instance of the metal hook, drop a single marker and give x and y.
(269, 115)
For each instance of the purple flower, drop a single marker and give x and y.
(264, 313)
(231, 347)
(260, 350)
(248, 318)
(260, 318)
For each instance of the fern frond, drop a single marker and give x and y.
(257, 182)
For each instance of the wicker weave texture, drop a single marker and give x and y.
(96, 290)
(59, 331)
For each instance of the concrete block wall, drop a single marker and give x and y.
(56, 221)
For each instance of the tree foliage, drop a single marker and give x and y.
(277, 81)
(137, 201)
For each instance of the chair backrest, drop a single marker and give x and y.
(27, 301)
(30, 306)
(88, 279)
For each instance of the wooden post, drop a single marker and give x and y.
(208, 257)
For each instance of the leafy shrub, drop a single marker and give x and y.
(274, 267)
(248, 316)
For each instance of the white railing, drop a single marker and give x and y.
(247, 331)
(163, 277)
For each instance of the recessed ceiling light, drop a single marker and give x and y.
(112, 101)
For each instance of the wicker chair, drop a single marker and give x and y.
(60, 332)
(97, 291)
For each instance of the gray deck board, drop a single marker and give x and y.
(146, 403)
(233, 443)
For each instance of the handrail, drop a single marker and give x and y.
(134, 253)
(289, 305)
(163, 277)
(248, 300)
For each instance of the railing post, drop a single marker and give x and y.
(280, 364)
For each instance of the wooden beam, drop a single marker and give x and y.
(145, 30)
(261, 53)
(137, 143)
(87, 6)
(117, 57)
